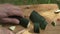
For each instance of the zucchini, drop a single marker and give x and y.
(23, 21)
(43, 25)
(36, 27)
(53, 23)
(35, 17)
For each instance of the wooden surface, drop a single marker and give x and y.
(47, 11)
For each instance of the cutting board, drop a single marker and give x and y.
(47, 11)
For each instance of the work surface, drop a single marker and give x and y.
(47, 11)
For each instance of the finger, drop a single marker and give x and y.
(3, 15)
(10, 20)
(16, 11)
(13, 10)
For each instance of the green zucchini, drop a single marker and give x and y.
(23, 21)
(36, 27)
(35, 17)
(53, 24)
(43, 25)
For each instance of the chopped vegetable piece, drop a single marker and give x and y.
(36, 27)
(53, 23)
(35, 17)
(23, 21)
(12, 28)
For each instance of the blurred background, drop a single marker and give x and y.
(23, 2)
(29, 2)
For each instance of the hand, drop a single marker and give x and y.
(5, 31)
(9, 10)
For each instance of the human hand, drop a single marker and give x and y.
(9, 10)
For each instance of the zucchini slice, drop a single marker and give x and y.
(53, 24)
(43, 25)
(36, 27)
(35, 17)
(23, 21)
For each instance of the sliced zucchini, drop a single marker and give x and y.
(43, 25)
(35, 17)
(23, 21)
(36, 27)
(53, 23)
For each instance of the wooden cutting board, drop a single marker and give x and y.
(47, 11)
